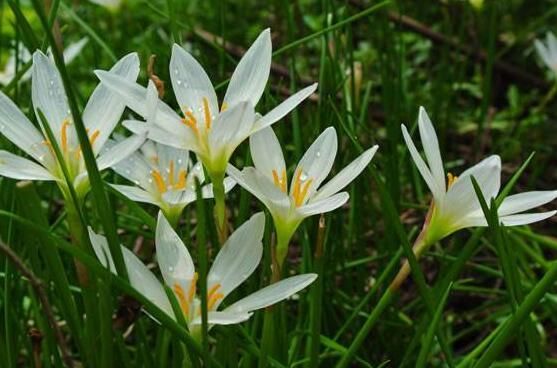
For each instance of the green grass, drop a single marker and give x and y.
(478, 298)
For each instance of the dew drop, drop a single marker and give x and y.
(303, 176)
(318, 154)
(179, 82)
(128, 171)
(180, 161)
(176, 71)
(136, 182)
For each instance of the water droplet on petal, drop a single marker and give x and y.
(303, 176)
(179, 82)
(318, 154)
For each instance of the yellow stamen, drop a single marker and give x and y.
(94, 137)
(193, 285)
(190, 121)
(300, 189)
(64, 134)
(280, 182)
(451, 179)
(171, 173)
(159, 181)
(184, 302)
(182, 175)
(213, 296)
(223, 107)
(207, 113)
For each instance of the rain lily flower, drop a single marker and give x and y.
(100, 116)
(9, 72)
(548, 51)
(290, 205)
(210, 130)
(163, 176)
(111, 5)
(236, 261)
(455, 205)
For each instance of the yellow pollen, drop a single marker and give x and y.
(159, 181)
(184, 302)
(280, 182)
(64, 134)
(451, 179)
(94, 137)
(300, 189)
(223, 107)
(190, 121)
(181, 184)
(207, 113)
(171, 173)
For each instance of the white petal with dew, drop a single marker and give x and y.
(431, 148)
(136, 194)
(346, 175)
(273, 293)
(250, 77)
(120, 151)
(19, 168)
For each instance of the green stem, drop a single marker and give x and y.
(220, 206)
(547, 98)
(508, 331)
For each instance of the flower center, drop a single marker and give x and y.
(171, 181)
(183, 298)
(280, 182)
(301, 187)
(213, 296)
(191, 121)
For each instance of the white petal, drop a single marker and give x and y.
(19, 168)
(525, 201)
(324, 205)
(239, 256)
(222, 318)
(190, 82)
(438, 193)
(173, 257)
(136, 194)
(525, 218)
(157, 134)
(250, 77)
(141, 278)
(461, 198)
(266, 153)
(105, 107)
(207, 190)
(346, 175)
(272, 294)
(543, 53)
(431, 148)
(285, 107)
(231, 127)
(49, 96)
(120, 151)
(317, 162)
(74, 49)
(19, 130)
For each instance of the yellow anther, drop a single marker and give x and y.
(451, 179)
(280, 182)
(159, 181)
(190, 121)
(94, 137)
(181, 296)
(181, 183)
(207, 113)
(300, 189)
(223, 107)
(171, 173)
(64, 135)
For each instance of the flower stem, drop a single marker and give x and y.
(220, 206)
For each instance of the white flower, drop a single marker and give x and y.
(109, 4)
(548, 51)
(9, 72)
(212, 132)
(455, 204)
(305, 197)
(163, 176)
(236, 261)
(100, 116)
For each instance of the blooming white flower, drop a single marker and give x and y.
(455, 205)
(109, 4)
(548, 51)
(236, 261)
(100, 116)
(269, 183)
(163, 176)
(9, 72)
(212, 132)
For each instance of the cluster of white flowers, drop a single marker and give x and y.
(156, 159)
